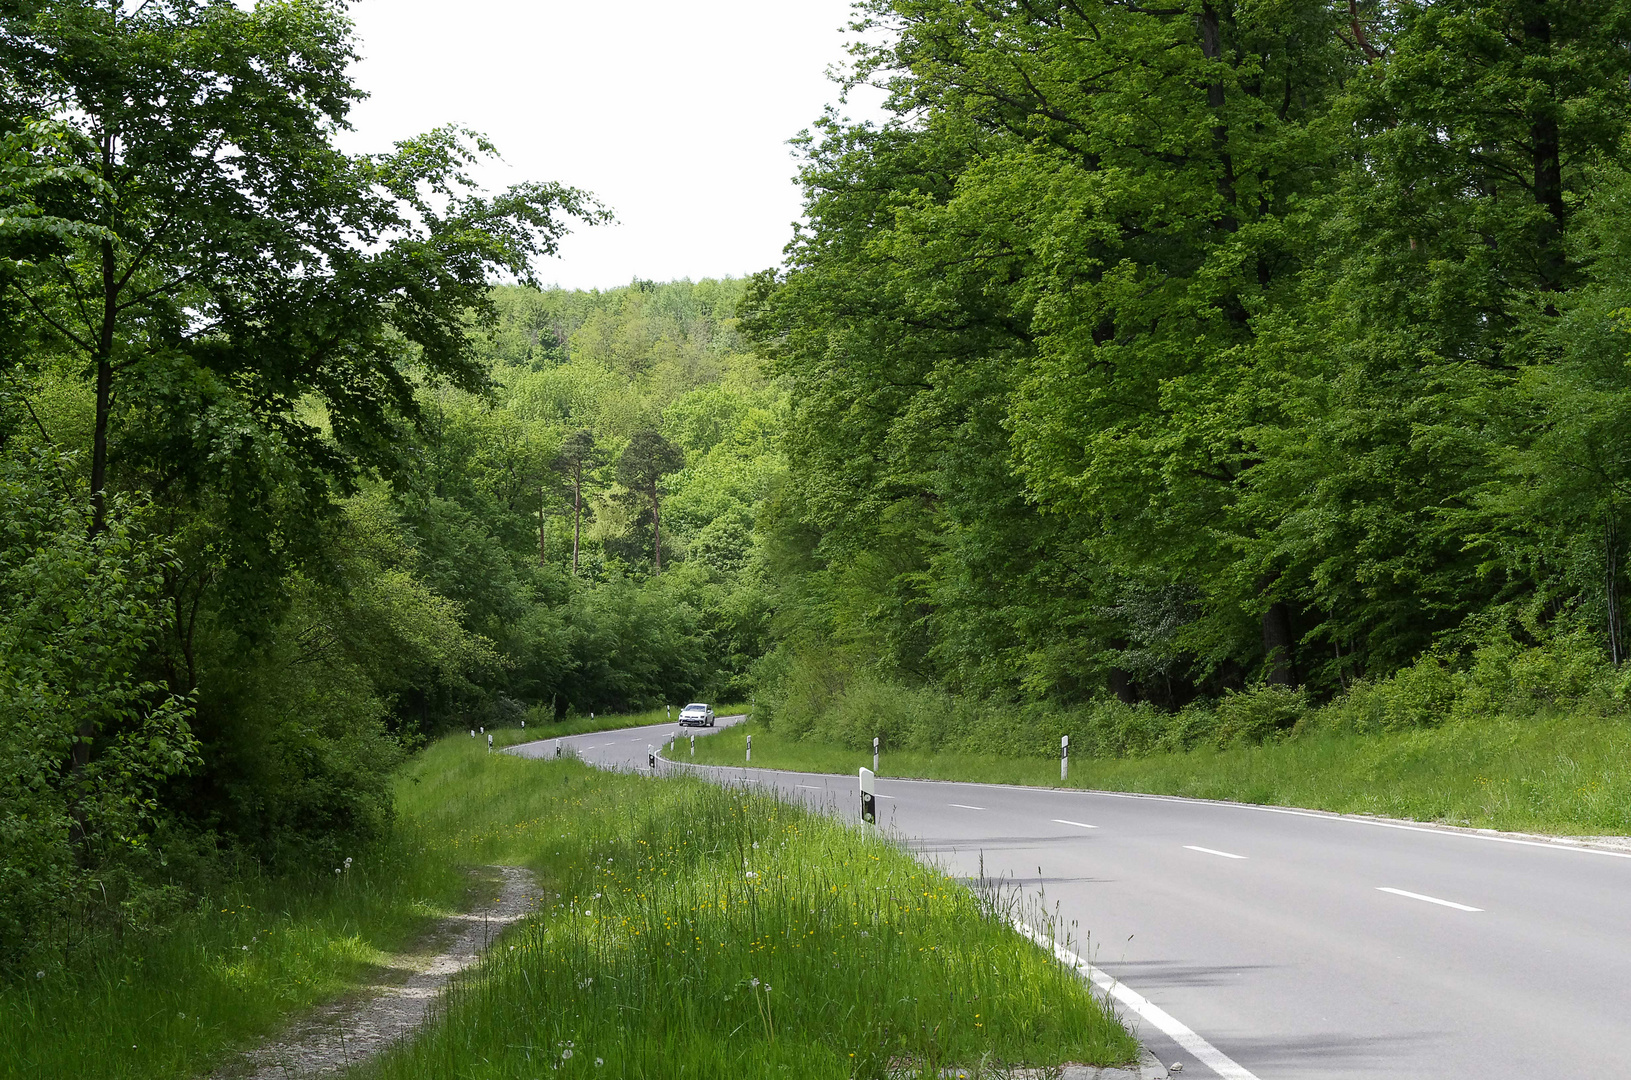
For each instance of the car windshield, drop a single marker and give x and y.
(696, 708)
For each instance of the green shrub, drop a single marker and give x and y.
(86, 741)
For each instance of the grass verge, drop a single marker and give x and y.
(584, 725)
(171, 1001)
(1562, 775)
(690, 930)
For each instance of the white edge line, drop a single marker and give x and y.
(965, 806)
(1165, 1022)
(1078, 824)
(1213, 851)
(1429, 899)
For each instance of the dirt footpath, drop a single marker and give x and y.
(355, 1029)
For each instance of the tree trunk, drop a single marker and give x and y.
(1611, 588)
(1277, 645)
(577, 512)
(1279, 657)
(1212, 48)
(656, 532)
(1546, 156)
(104, 391)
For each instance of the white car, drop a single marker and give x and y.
(697, 714)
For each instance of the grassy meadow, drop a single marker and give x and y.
(1563, 774)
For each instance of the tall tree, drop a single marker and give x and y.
(644, 463)
(578, 453)
(243, 261)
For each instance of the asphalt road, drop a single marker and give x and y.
(1292, 945)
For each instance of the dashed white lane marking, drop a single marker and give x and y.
(965, 806)
(1078, 824)
(1213, 851)
(1429, 899)
(810, 787)
(1204, 1052)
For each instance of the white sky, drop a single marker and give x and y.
(675, 114)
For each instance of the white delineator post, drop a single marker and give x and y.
(869, 802)
(750, 747)
(557, 748)
(489, 744)
(693, 746)
(651, 758)
(1064, 757)
(875, 753)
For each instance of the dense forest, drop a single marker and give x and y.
(287, 485)
(1183, 367)
(1155, 353)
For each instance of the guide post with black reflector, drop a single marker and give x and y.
(869, 802)
(1064, 757)
(693, 746)
(874, 753)
(750, 747)
(651, 758)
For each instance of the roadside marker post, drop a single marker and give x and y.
(693, 746)
(489, 744)
(869, 803)
(874, 753)
(750, 747)
(523, 725)
(472, 733)
(1064, 758)
(557, 748)
(651, 758)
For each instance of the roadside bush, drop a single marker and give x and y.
(86, 742)
(814, 695)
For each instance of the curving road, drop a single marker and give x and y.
(1289, 944)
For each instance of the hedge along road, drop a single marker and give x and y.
(1291, 944)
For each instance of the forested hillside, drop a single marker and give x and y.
(1154, 353)
(286, 484)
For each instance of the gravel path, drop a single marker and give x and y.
(355, 1029)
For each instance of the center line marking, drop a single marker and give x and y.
(965, 806)
(1078, 824)
(1429, 899)
(1213, 851)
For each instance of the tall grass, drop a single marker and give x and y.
(1562, 773)
(169, 1002)
(689, 930)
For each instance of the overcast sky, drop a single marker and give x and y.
(675, 114)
